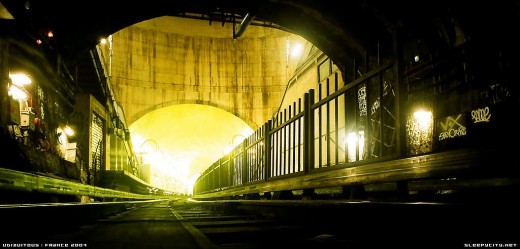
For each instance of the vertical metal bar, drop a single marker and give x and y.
(251, 161)
(212, 179)
(236, 172)
(345, 131)
(336, 119)
(216, 178)
(276, 146)
(262, 152)
(244, 160)
(285, 140)
(367, 117)
(280, 143)
(219, 177)
(381, 89)
(312, 149)
(356, 123)
(398, 73)
(294, 138)
(224, 174)
(275, 149)
(308, 127)
(300, 132)
(253, 165)
(319, 129)
(259, 152)
(245, 168)
(327, 135)
(306, 130)
(267, 150)
(230, 173)
(289, 139)
(256, 153)
(368, 130)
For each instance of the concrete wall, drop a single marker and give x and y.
(167, 61)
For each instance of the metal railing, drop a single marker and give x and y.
(313, 135)
(30, 182)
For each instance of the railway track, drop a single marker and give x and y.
(349, 224)
(227, 227)
(260, 224)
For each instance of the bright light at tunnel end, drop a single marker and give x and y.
(177, 158)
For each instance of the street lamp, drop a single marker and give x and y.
(234, 144)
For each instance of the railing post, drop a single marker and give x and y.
(267, 150)
(219, 175)
(308, 124)
(399, 101)
(230, 170)
(245, 168)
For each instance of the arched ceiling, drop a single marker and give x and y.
(342, 30)
(78, 25)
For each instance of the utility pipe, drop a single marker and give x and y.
(243, 25)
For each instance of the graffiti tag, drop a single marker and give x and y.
(481, 115)
(452, 127)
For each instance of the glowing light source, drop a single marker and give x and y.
(69, 131)
(419, 131)
(292, 50)
(103, 41)
(16, 89)
(20, 79)
(17, 93)
(355, 142)
(296, 50)
(236, 140)
(228, 149)
(424, 119)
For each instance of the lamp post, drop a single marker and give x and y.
(233, 144)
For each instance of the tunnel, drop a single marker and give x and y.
(247, 124)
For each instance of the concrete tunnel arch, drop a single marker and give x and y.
(239, 115)
(179, 141)
(159, 62)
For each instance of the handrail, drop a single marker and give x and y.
(283, 154)
(30, 182)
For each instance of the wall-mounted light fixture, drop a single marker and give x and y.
(68, 131)
(16, 86)
(355, 143)
(419, 131)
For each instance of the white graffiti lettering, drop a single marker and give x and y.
(362, 101)
(375, 107)
(451, 133)
(481, 115)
